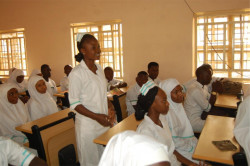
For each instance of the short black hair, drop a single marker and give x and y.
(142, 73)
(44, 66)
(207, 66)
(152, 64)
(67, 66)
(201, 69)
(108, 68)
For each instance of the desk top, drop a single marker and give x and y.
(226, 101)
(216, 128)
(129, 123)
(43, 121)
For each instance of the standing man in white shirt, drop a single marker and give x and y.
(51, 85)
(197, 101)
(134, 91)
(64, 83)
(153, 72)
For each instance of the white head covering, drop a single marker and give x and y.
(178, 122)
(132, 149)
(11, 70)
(11, 115)
(39, 105)
(21, 87)
(242, 126)
(35, 72)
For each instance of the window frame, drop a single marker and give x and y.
(22, 50)
(230, 59)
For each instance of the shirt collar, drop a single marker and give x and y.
(198, 84)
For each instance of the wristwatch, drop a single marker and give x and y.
(214, 93)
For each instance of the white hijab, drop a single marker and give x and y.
(242, 126)
(177, 119)
(39, 105)
(21, 87)
(34, 73)
(132, 149)
(12, 115)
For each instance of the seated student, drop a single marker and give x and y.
(134, 91)
(242, 127)
(12, 153)
(180, 127)
(216, 82)
(51, 85)
(153, 102)
(197, 99)
(113, 83)
(12, 113)
(153, 72)
(35, 72)
(130, 148)
(17, 78)
(64, 83)
(41, 103)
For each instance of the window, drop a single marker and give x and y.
(109, 35)
(12, 51)
(223, 41)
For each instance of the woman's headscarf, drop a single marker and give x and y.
(130, 148)
(39, 105)
(21, 87)
(178, 122)
(34, 73)
(12, 115)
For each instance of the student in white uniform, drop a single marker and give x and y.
(152, 102)
(242, 127)
(130, 148)
(12, 113)
(113, 83)
(64, 83)
(88, 97)
(41, 103)
(17, 78)
(153, 72)
(197, 102)
(216, 82)
(51, 85)
(12, 153)
(180, 127)
(134, 91)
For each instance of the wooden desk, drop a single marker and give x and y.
(226, 101)
(26, 128)
(129, 123)
(216, 128)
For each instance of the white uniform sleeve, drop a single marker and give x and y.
(74, 90)
(64, 84)
(130, 102)
(201, 100)
(54, 87)
(18, 155)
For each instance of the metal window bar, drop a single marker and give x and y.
(212, 44)
(11, 52)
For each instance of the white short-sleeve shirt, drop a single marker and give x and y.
(12, 153)
(196, 102)
(132, 97)
(163, 135)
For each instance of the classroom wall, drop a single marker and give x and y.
(153, 30)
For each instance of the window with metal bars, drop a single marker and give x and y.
(109, 35)
(12, 51)
(223, 41)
